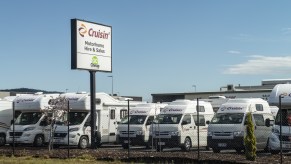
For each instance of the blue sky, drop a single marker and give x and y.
(162, 46)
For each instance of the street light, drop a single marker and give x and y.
(194, 87)
(111, 84)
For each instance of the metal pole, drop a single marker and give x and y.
(68, 121)
(93, 109)
(280, 108)
(128, 139)
(198, 120)
(13, 115)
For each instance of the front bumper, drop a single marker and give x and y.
(136, 140)
(20, 137)
(274, 142)
(61, 138)
(173, 141)
(235, 143)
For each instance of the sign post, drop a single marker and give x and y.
(91, 50)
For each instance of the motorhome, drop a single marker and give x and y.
(227, 128)
(31, 126)
(281, 97)
(6, 115)
(216, 101)
(140, 120)
(109, 112)
(178, 123)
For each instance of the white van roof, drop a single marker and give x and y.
(285, 91)
(243, 105)
(187, 106)
(33, 102)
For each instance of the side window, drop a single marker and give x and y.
(201, 109)
(259, 119)
(150, 120)
(259, 107)
(123, 113)
(112, 114)
(201, 122)
(187, 118)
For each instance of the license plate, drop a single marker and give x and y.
(125, 141)
(222, 144)
(161, 143)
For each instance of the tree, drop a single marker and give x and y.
(250, 139)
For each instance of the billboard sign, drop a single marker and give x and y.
(91, 46)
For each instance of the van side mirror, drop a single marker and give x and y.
(207, 122)
(43, 123)
(269, 122)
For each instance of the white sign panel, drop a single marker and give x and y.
(91, 46)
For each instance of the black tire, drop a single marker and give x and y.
(125, 146)
(187, 144)
(2, 139)
(83, 142)
(38, 141)
(215, 150)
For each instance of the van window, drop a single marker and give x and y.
(112, 114)
(259, 119)
(187, 118)
(150, 120)
(286, 115)
(201, 109)
(123, 113)
(259, 107)
(201, 122)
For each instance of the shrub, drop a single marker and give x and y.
(250, 139)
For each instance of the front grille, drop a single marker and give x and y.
(61, 135)
(163, 133)
(222, 133)
(125, 132)
(17, 134)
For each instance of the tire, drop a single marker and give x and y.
(38, 141)
(187, 144)
(83, 142)
(215, 150)
(2, 139)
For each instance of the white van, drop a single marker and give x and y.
(274, 138)
(109, 112)
(6, 115)
(31, 126)
(140, 119)
(227, 128)
(177, 125)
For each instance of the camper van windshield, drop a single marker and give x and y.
(286, 117)
(76, 118)
(227, 118)
(169, 118)
(28, 118)
(134, 119)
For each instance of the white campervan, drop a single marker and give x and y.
(140, 119)
(227, 128)
(177, 125)
(274, 139)
(6, 115)
(109, 112)
(31, 126)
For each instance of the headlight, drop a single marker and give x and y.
(73, 129)
(29, 128)
(238, 133)
(140, 132)
(174, 133)
(209, 133)
(276, 131)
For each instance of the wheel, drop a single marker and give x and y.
(2, 139)
(38, 140)
(125, 146)
(83, 142)
(187, 144)
(215, 150)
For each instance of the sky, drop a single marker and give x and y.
(158, 46)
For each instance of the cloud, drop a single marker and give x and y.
(233, 52)
(286, 31)
(258, 65)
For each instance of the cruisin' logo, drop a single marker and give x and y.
(93, 33)
(82, 30)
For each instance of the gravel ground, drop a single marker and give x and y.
(143, 155)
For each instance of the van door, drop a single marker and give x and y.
(262, 132)
(187, 128)
(202, 130)
(112, 125)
